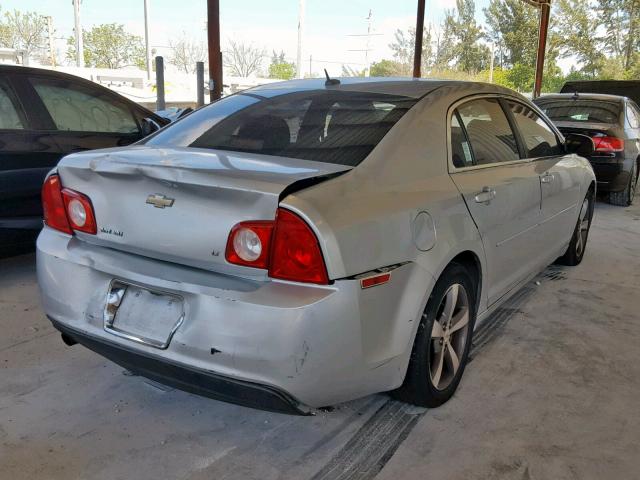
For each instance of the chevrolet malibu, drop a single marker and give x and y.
(305, 243)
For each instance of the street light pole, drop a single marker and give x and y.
(78, 34)
(146, 38)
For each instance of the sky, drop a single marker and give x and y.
(329, 25)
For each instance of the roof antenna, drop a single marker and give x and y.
(330, 81)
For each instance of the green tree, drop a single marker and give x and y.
(280, 68)
(387, 68)
(620, 20)
(109, 46)
(403, 48)
(24, 31)
(577, 28)
(469, 54)
(513, 28)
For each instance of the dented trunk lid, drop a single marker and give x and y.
(179, 204)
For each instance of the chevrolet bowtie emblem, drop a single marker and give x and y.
(160, 201)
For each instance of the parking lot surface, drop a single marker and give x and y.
(551, 393)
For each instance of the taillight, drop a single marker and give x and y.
(249, 244)
(296, 254)
(287, 247)
(55, 215)
(79, 211)
(66, 210)
(608, 144)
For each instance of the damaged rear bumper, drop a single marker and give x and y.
(305, 345)
(189, 379)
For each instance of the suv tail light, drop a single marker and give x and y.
(608, 144)
(287, 247)
(67, 210)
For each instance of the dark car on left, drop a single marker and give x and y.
(45, 115)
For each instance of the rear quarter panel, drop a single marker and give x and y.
(366, 219)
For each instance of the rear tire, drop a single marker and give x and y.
(441, 348)
(575, 251)
(624, 198)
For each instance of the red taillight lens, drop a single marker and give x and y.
(295, 252)
(608, 144)
(288, 248)
(249, 244)
(79, 211)
(55, 214)
(66, 210)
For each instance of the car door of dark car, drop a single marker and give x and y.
(26, 155)
(84, 117)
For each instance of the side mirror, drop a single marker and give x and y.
(579, 144)
(149, 126)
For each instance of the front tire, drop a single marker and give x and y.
(575, 251)
(441, 348)
(624, 198)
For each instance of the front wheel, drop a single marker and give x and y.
(575, 252)
(441, 347)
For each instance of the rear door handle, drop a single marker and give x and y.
(485, 196)
(547, 178)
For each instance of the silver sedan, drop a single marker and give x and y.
(304, 243)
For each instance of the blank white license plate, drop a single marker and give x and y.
(147, 317)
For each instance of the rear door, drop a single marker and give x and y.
(501, 190)
(84, 117)
(560, 177)
(26, 155)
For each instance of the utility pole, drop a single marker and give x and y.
(367, 68)
(367, 47)
(146, 38)
(300, 25)
(78, 34)
(52, 51)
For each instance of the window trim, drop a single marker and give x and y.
(452, 169)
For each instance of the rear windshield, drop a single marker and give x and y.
(325, 126)
(592, 111)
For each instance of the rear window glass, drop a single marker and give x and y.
(325, 126)
(590, 111)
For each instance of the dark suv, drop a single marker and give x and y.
(613, 122)
(45, 115)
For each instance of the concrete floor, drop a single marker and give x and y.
(552, 393)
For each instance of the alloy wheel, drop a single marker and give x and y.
(583, 227)
(449, 336)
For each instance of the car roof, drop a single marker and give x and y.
(401, 86)
(584, 96)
